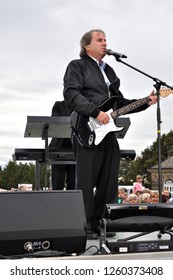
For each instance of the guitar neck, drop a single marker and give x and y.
(164, 92)
(130, 107)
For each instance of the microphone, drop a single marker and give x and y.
(116, 54)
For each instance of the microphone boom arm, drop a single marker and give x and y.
(158, 81)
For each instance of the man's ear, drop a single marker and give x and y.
(87, 48)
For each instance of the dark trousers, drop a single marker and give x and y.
(63, 176)
(97, 169)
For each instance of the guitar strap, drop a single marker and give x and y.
(74, 120)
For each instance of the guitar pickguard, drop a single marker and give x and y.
(101, 130)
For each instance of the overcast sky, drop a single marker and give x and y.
(38, 38)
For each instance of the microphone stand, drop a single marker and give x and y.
(157, 85)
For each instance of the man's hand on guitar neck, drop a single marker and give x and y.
(153, 98)
(103, 117)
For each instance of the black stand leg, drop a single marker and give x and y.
(158, 86)
(37, 175)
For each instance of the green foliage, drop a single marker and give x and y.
(22, 173)
(148, 158)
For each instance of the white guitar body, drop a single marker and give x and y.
(101, 130)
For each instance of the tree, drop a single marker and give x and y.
(22, 173)
(148, 158)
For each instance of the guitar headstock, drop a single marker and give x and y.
(164, 92)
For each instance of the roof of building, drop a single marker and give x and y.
(168, 163)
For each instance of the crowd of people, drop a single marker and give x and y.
(140, 194)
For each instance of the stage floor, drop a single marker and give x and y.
(93, 246)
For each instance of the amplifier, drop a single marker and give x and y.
(139, 246)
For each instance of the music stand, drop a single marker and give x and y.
(59, 127)
(46, 127)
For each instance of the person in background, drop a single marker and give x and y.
(166, 192)
(144, 197)
(132, 198)
(171, 198)
(165, 199)
(138, 184)
(91, 88)
(122, 194)
(25, 188)
(63, 175)
(3, 190)
(138, 190)
(154, 197)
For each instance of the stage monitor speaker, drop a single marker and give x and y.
(42, 220)
(118, 211)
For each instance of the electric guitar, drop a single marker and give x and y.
(90, 132)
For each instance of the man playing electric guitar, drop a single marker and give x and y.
(88, 83)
